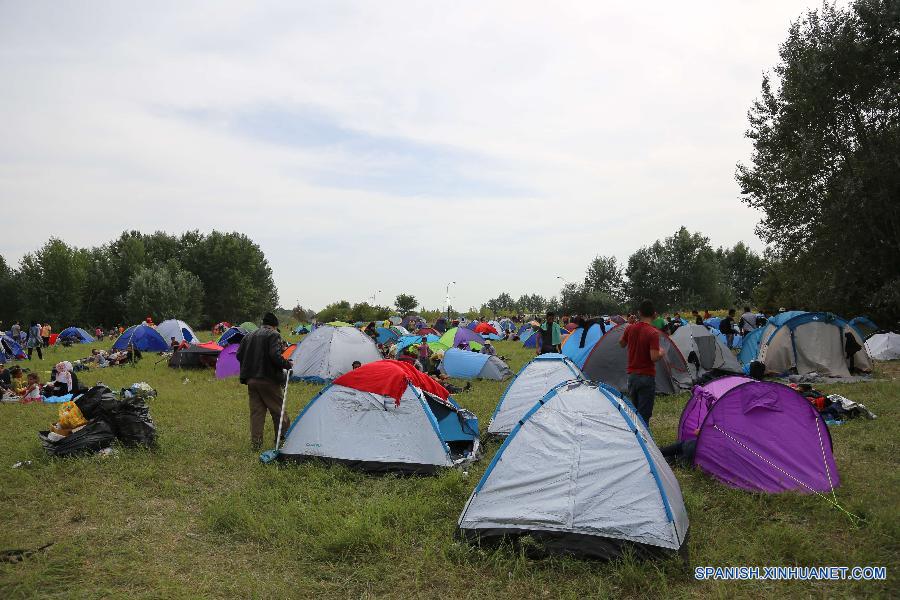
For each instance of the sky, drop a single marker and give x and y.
(374, 148)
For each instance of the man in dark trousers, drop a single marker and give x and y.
(262, 371)
(642, 341)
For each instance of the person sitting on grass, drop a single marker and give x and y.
(5, 379)
(488, 348)
(65, 383)
(18, 383)
(173, 344)
(32, 390)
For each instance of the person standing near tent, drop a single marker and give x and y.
(424, 354)
(14, 331)
(748, 321)
(45, 334)
(550, 334)
(262, 371)
(34, 341)
(642, 341)
(726, 327)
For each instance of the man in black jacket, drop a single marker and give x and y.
(262, 371)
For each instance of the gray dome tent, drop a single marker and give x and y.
(607, 362)
(531, 383)
(329, 352)
(703, 351)
(580, 474)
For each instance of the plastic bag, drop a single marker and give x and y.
(70, 416)
(93, 437)
(132, 423)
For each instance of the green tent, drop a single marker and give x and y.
(248, 326)
(339, 324)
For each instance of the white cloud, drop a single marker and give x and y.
(498, 144)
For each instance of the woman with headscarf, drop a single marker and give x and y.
(65, 383)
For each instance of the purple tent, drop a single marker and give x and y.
(228, 365)
(759, 436)
(464, 335)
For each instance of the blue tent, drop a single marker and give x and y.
(464, 364)
(573, 347)
(530, 339)
(77, 334)
(386, 335)
(10, 349)
(750, 346)
(864, 326)
(232, 335)
(143, 337)
(411, 340)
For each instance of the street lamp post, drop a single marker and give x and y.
(373, 296)
(448, 298)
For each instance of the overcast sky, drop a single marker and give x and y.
(391, 146)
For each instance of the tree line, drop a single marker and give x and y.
(199, 278)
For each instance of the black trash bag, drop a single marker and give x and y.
(96, 402)
(92, 437)
(132, 423)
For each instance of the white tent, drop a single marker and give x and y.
(374, 432)
(607, 362)
(329, 352)
(884, 346)
(582, 475)
(704, 351)
(181, 331)
(811, 342)
(531, 383)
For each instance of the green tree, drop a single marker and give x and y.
(743, 269)
(164, 291)
(604, 274)
(51, 284)
(406, 303)
(336, 311)
(825, 166)
(9, 295)
(363, 311)
(681, 272)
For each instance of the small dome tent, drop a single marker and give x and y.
(578, 345)
(579, 474)
(181, 331)
(232, 335)
(464, 364)
(811, 342)
(703, 351)
(759, 436)
(76, 335)
(10, 349)
(143, 337)
(884, 346)
(384, 416)
(530, 384)
(607, 362)
(227, 365)
(329, 352)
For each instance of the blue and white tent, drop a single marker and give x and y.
(405, 341)
(386, 335)
(232, 335)
(75, 334)
(464, 364)
(143, 337)
(181, 331)
(579, 474)
(531, 383)
(10, 349)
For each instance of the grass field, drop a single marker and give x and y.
(201, 517)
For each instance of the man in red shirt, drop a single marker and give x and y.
(642, 341)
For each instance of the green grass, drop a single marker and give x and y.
(201, 517)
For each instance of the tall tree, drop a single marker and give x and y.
(336, 311)
(604, 274)
(825, 167)
(406, 303)
(743, 269)
(164, 291)
(51, 284)
(9, 295)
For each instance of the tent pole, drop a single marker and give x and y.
(287, 380)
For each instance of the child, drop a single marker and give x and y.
(33, 390)
(17, 380)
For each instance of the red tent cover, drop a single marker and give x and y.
(485, 328)
(210, 346)
(389, 378)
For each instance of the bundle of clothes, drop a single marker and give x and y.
(834, 408)
(95, 418)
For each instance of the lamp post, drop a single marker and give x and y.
(448, 298)
(564, 280)
(373, 296)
